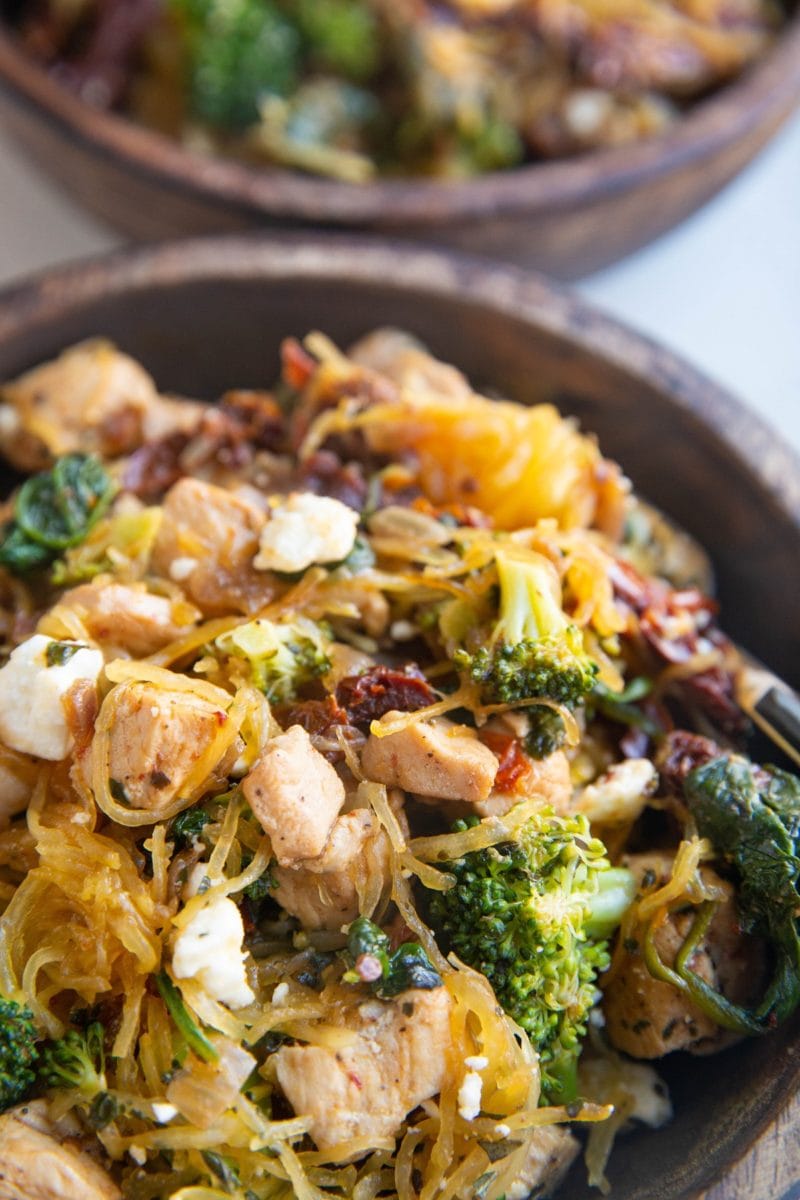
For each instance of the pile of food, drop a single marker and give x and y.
(372, 791)
(355, 88)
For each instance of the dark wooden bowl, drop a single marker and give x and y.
(566, 218)
(205, 316)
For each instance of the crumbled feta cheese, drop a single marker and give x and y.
(476, 1062)
(469, 1096)
(586, 110)
(280, 993)
(209, 949)
(306, 529)
(33, 718)
(138, 1154)
(164, 1112)
(503, 1131)
(181, 568)
(651, 1102)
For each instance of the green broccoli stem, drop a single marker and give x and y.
(616, 890)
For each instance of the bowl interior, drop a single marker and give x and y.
(205, 318)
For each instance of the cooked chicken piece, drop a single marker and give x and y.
(126, 619)
(647, 1018)
(620, 794)
(552, 1152)
(157, 738)
(547, 778)
(322, 892)
(93, 399)
(296, 795)
(364, 1090)
(207, 542)
(17, 776)
(437, 759)
(38, 1165)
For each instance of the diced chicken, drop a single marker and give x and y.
(17, 776)
(547, 778)
(126, 618)
(323, 892)
(38, 1165)
(296, 795)
(209, 948)
(156, 740)
(91, 398)
(207, 541)
(437, 759)
(620, 794)
(647, 1018)
(552, 1152)
(365, 1089)
(305, 529)
(35, 685)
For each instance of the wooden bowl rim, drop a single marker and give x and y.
(523, 296)
(766, 91)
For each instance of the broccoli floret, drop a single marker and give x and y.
(530, 914)
(547, 732)
(533, 650)
(238, 51)
(283, 656)
(77, 1060)
(18, 1053)
(341, 35)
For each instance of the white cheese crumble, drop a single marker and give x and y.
(209, 949)
(503, 1131)
(476, 1062)
(181, 568)
(306, 529)
(469, 1096)
(280, 993)
(33, 718)
(138, 1154)
(163, 1113)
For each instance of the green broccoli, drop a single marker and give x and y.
(283, 656)
(531, 915)
(532, 650)
(547, 731)
(340, 35)
(18, 1053)
(77, 1060)
(238, 51)
(388, 974)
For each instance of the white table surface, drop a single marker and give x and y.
(723, 289)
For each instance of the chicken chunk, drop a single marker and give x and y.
(36, 1165)
(620, 794)
(126, 619)
(647, 1018)
(296, 795)
(322, 892)
(156, 740)
(437, 759)
(397, 1060)
(552, 1152)
(547, 778)
(93, 399)
(207, 542)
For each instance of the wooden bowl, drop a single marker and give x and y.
(205, 316)
(566, 217)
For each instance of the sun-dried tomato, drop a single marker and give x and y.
(680, 753)
(514, 762)
(379, 690)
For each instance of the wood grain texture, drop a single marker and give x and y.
(204, 316)
(565, 217)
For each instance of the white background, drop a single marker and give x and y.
(723, 289)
